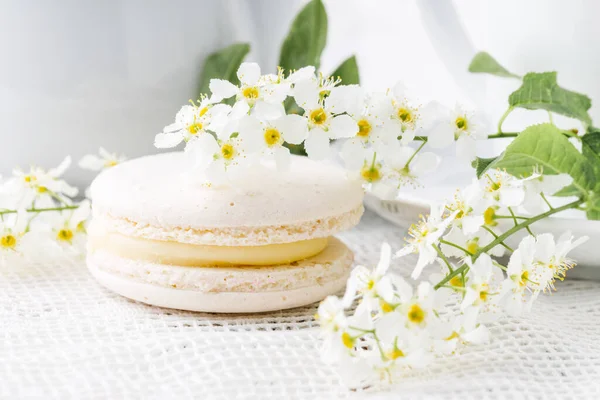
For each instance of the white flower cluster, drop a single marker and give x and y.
(377, 129)
(38, 216)
(396, 325)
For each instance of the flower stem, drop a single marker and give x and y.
(448, 278)
(502, 118)
(414, 154)
(546, 201)
(467, 252)
(500, 239)
(496, 237)
(443, 257)
(517, 223)
(40, 210)
(525, 224)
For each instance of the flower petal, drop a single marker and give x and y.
(293, 127)
(317, 145)
(342, 126)
(249, 73)
(222, 89)
(167, 140)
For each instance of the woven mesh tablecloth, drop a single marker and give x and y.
(64, 336)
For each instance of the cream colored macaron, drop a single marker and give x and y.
(263, 242)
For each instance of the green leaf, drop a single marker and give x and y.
(545, 146)
(592, 210)
(590, 146)
(223, 64)
(481, 164)
(306, 39)
(540, 91)
(568, 191)
(348, 72)
(484, 63)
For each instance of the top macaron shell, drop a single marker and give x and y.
(158, 191)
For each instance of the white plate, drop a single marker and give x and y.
(412, 202)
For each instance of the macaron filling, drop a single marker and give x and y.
(191, 255)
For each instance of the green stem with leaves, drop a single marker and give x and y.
(501, 238)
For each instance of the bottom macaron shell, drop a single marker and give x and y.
(247, 289)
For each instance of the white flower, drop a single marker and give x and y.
(469, 204)
(13, 229)
(314, 89)
(331, 314)
(482, 282)
(424, 235)
(340, 331)
(551, 258)
(457, 329)
(219, 159)
(520, 272)
(193, 121)
(253, 88)
(268, 137)
(542, 184)
(323, 119)
(534, 267)
(405, 165)
(39, 187)
(401, 347)
(369, 113)
(405, 115)
(97, 163)
(502, 188)
(68, 227)
(472, 243)
(417, 310)
(461, 126)
(374, 284)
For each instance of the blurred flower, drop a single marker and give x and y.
(104, 160)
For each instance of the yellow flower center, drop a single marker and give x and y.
(42, 189)
(472, 246)
(272, 137)
(318, 116)
(364, 128)
(65, 235)
(370, 174)
(461, 123)
(250, 92)
(394, 354)
(8, 241)
(194, 128)
(457, 281)
(202, 111)
(416, 314)
(370, 284)
(524, 278)
(29, 178)
(405, 115)
(489, 216)
(385, 306)
(110, 163)
(347, 340)
(80, 227)
(483, 292)
(227, 151)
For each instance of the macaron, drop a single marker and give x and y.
(262, 242)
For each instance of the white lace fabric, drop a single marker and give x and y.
(64, 336)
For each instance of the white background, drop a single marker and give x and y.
(76, 75)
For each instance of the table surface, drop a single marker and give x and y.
(64, 336)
